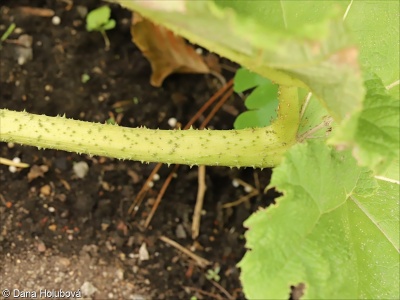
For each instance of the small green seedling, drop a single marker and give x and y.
(85, 78)
(213, 274)
(99, 20)
(7, 33)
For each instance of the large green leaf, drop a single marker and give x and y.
(375, 24)
(301, 43)
(373, 134)
(334, 229)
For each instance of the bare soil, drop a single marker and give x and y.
(59, 231)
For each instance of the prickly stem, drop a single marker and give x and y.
(260, 147)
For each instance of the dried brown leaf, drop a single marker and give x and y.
(166, 52)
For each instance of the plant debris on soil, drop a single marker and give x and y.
(64, 220)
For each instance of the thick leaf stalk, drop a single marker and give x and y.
(256, 147)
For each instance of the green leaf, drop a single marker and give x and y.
(375, 24)
(393, 171)
(375, 234)
(333, 229)
(373, 134)
(109, 25)
(245, 80)
(262, 103)
(293, 43)
(263, 95)
(255, 118)
(96, 18)
(382, 208)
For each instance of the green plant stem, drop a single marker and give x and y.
(260, 147)
(288, 120)
(257, 147)
(9, 30)
(106, 40)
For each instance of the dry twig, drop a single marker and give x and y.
(8, 162)
(241, 199)
(224, 291)
(199, 202)
(215, 296)
(201, 262)
(160, 195)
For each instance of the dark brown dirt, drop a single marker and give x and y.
(59, 231)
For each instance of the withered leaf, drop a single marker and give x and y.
(166, 52)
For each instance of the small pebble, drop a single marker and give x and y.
(172, 122)
(82, 11)
(137, 297)
(13, 169)
(119, 274)
(41, 247)
(81, 169)
(64, 214)
(64, 261)
(88, 289)
(180, 232)
(135, 269)
(131, 241)
(45, 190)
(53, 227)
(143, 253)
(48, 88)
(18, 30)
(56, 20)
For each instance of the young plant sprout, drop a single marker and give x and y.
(99, 20)
(7, 33)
